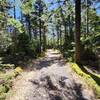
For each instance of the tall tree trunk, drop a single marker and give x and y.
(40, 33)
(77, 31)
(28, 25)
(14, 10)
(65, 28)
(14, 31)
(87, 26)
(58, 38)
(40, 25)
(35, 33)
(44, 40)
(65, 36)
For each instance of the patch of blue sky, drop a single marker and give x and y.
(98, 8)
(18, 10)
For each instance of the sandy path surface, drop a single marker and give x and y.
(53, 79)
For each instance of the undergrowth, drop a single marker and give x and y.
(6, 80)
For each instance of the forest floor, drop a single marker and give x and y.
(52, 79)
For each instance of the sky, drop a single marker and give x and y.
(98, 6)
(18, 3)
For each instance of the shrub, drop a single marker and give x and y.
(5, 42)
(26, 46)
(6, 81)
(23, 43)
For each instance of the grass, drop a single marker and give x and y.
(6, 81)
(88, 78)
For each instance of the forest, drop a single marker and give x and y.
(49, 50)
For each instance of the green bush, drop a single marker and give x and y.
(5, 42)
(23, 43)
(6, 82)
(33, 48)
(5, 85)
(28, 47)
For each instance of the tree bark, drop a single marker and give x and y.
(77, 31)
(14, 10)
(58, 38)
(40, 25)
(44, 40)
(29, 26)
(87, 26)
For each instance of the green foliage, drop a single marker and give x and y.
(27, 7)
(5, 41)
(16, 24)
(23, 44)
(4, 67)
(6, 81)
(5, 85)
(27, 46)
(33, 47)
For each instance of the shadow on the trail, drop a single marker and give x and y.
(46, 62)
(78, 90)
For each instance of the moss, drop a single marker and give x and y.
(3, 96)
(87, 78)
(5, 86)
(6, 81)
(2, 89)
(18, 69)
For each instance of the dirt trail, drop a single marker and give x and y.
(53, 79)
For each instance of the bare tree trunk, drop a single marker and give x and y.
(60, 35)
(65, 36)
(40, 25)
(14, 10)
(77, 32)
(29, 25)
(58, 38)
(87, 26)
(14, 31)
(44, 40)
(65, 28)
(40, 33)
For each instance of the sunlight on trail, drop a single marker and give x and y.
(52, 79)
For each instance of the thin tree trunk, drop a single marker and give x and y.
(29, 26)
(44, 40)
(14, 31)
(35, 33)
(57, 30)
(87, 26)
(14, 10)
(65, 36)
(60, 36)
(77, 30)
(65, 28)
(40, 33)
(40, 24)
